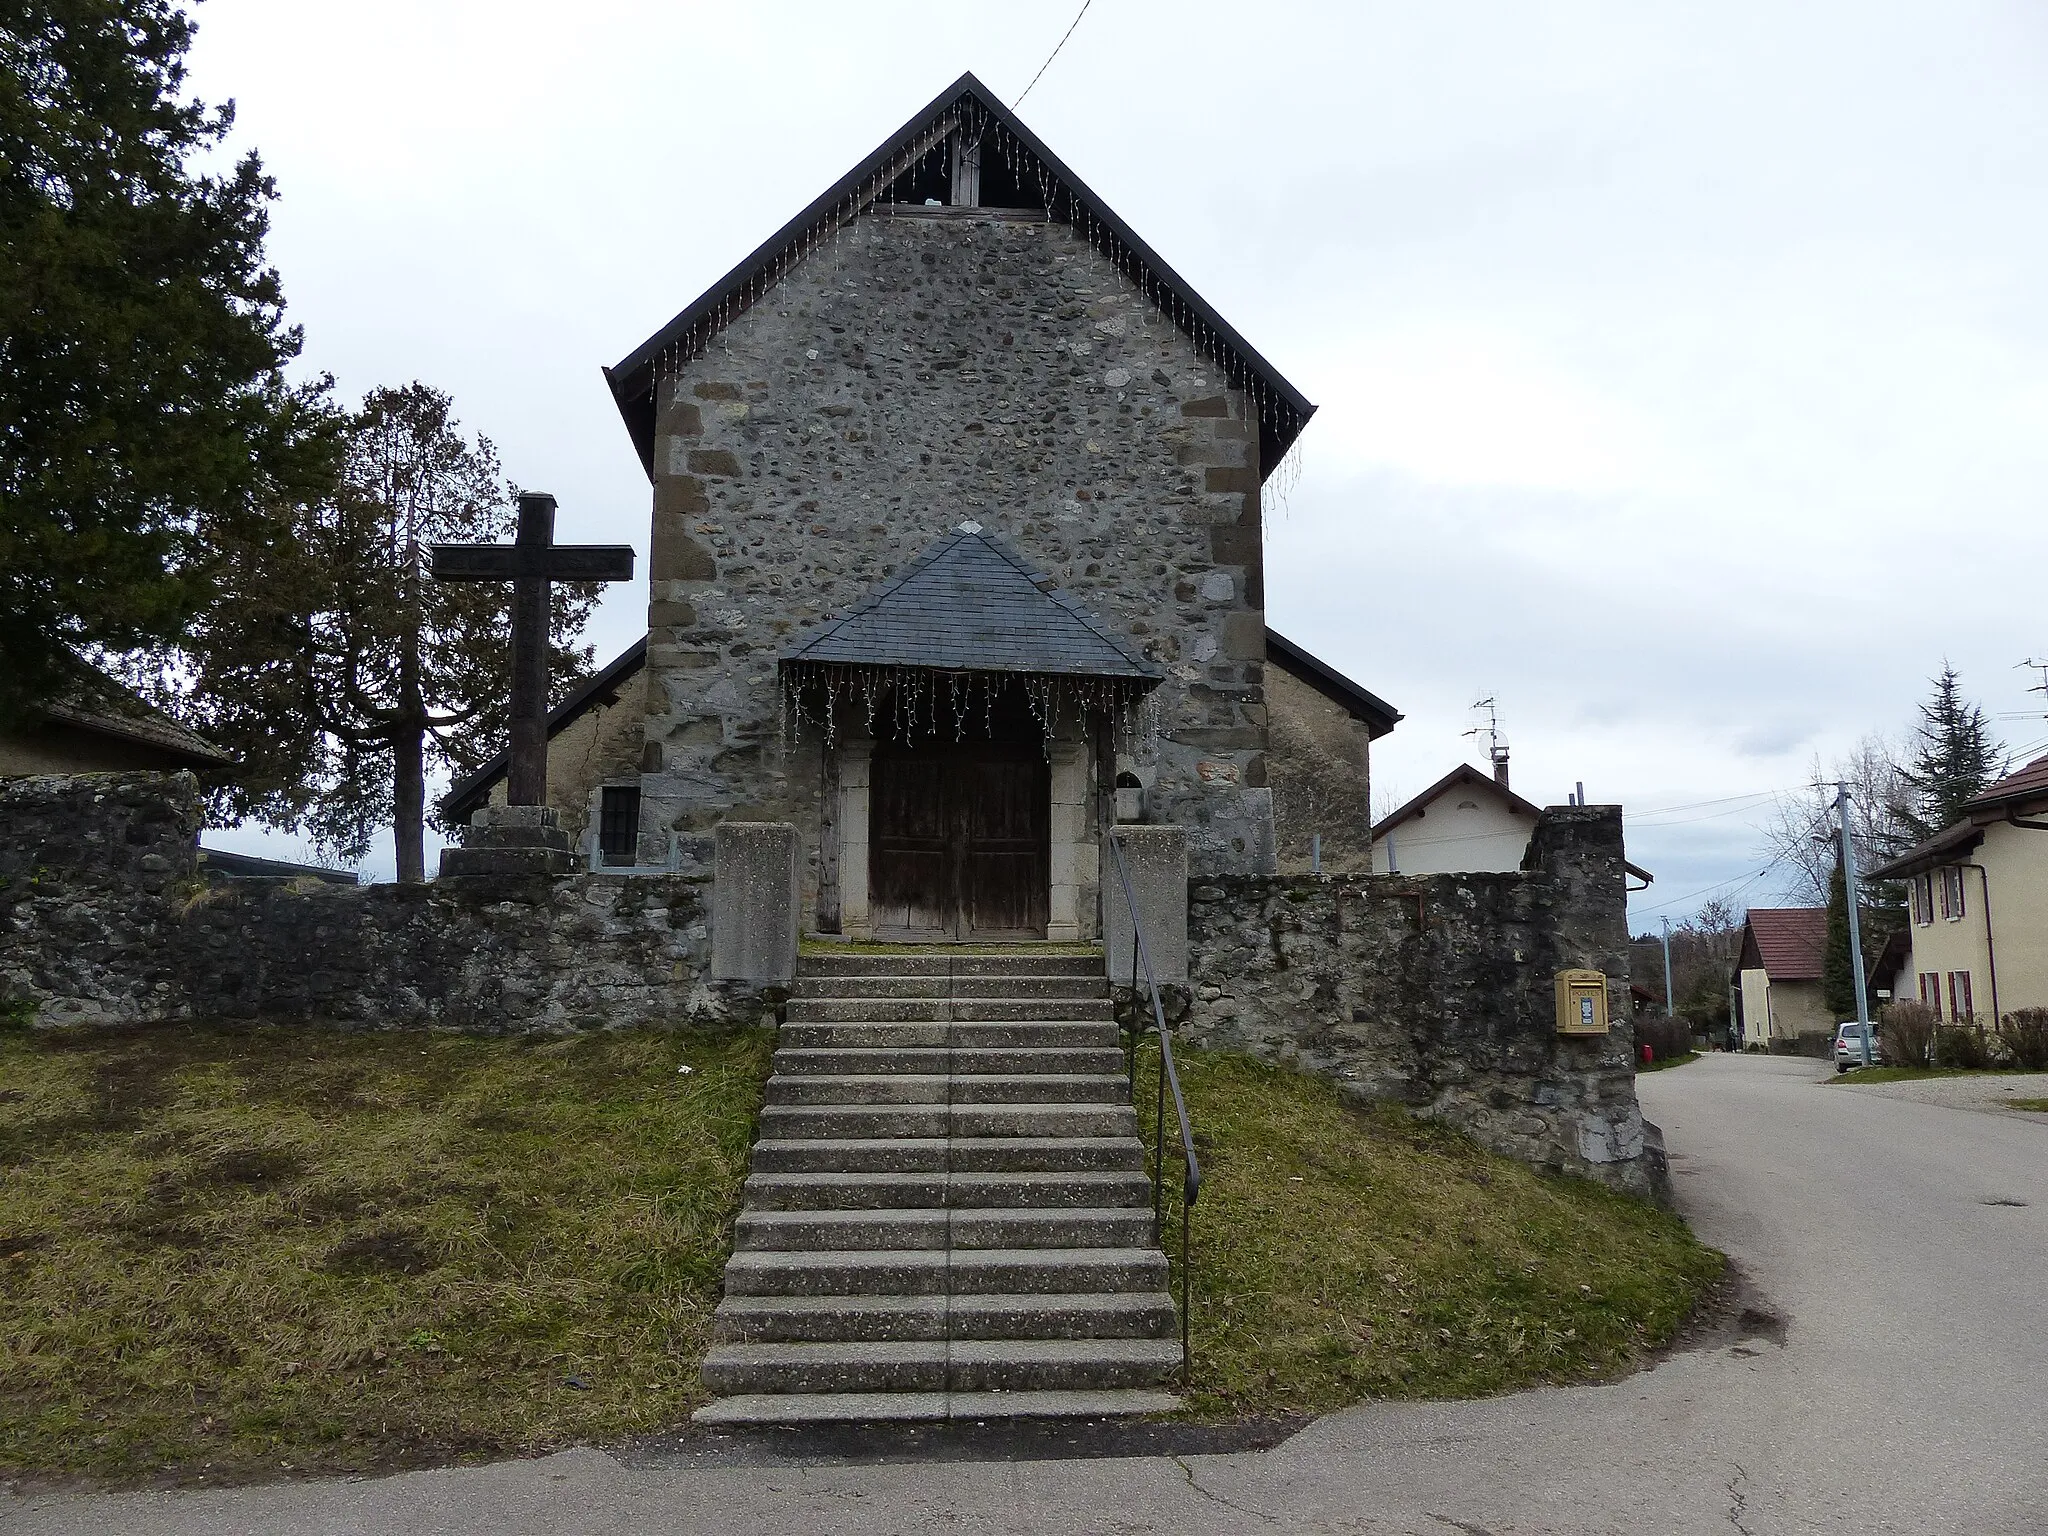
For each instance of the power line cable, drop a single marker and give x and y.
(1053, 55)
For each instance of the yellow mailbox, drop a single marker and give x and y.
(1581, 1003)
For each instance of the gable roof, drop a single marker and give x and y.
(965, 104)
(1469, 777)
(970, 603)
(1464, 774)
(91, 699)
(1788, 942)
(467, 794)
(2025, 789)
(2028, 783)
(1374, 713)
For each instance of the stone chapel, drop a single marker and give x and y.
(956, 557)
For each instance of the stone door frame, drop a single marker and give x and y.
(1072, 864)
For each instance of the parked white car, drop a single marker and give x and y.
(1849, 1046)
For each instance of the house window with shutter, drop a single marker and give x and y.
(1952, 894)
(1930, 990)
(618, 823)
(1962, 1007)
(1923, 899)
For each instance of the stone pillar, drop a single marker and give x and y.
(855, 765)
(1068, 839)
(1157, 859)
(512, 840)
(755, 902)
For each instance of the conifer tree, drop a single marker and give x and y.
(1954, 759)
(336, 669)
(1837, 980)
(142, 341)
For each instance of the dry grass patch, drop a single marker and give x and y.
(1342, 1255)
(236, 1251)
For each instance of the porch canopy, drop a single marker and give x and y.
(941, 638)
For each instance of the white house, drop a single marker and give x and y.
(1464, 823)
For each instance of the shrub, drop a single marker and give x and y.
(1960, 1046)
(1906, 1035)
(2024, 1035)
(1666, 1038)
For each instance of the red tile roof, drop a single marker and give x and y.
(1790, 940)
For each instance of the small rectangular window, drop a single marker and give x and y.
(618, 823)
(1930, 990)
(1923, 899)
(1952, 894)
(1962, 1007)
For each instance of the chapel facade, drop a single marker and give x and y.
(957, 495)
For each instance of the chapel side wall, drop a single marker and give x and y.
(915, 374)
(1317, 760)
(600, 746)
(1437, 992)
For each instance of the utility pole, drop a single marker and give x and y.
(1667, 968)
(1855, 924)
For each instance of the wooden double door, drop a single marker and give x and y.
(958, 844)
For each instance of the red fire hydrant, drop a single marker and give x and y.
(1648, 1055)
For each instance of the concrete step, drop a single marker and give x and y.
(861, 1060)
(822, 1319)
(1023, 961)
(854, 1009)
(953, 1087)
(941, 1190)
(862, 1122)
(1020, 985)
(935, 1034)
(1052, 1227)
(924, 1365)
(929, 1407)
(929, 1271)
(906, 1154)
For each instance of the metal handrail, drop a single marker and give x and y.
(1169, 1076)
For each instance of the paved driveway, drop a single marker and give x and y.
(1904, 1243)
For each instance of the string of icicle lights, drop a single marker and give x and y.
(973, 122)
(909, 704)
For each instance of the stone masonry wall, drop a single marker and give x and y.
(930, 367)
(1318, 761)
(1436, 991)
(103, 920)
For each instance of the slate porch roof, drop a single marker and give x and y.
(970, 603)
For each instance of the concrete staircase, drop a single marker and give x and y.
(948, 1214)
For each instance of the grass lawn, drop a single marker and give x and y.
(237, 1252)
(234, 1254)
(1341, 1255)
(1914, 1074)
(1669, 1061)
(2034, 1106)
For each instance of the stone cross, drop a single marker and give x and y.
(530, 563)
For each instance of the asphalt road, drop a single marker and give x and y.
(1903, 1244)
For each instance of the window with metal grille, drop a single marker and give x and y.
(618, 823)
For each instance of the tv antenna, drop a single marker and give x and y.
(1496, 743)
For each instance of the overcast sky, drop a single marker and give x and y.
(1683, 370)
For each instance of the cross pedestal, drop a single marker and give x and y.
(524, 836)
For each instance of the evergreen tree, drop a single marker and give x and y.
(338, 670)
(1837, 979)
(1953, 759)
(142, 340)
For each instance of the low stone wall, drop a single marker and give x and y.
(103, 920)
(1437, 991)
